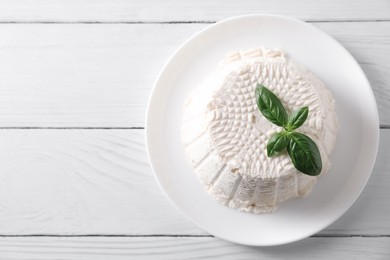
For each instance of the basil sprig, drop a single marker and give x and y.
(302, 150)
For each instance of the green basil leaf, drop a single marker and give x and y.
(297, 118)
(270, 106)
(304, 154)
(277, 143)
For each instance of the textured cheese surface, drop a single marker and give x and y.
(225, 136)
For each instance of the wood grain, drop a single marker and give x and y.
(65, 182)
(176, 10)
(88, 75)
(88, 64)
(81, 182)
(189, 248)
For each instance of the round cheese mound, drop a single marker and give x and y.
(225, 136)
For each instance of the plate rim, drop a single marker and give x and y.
(152, 95)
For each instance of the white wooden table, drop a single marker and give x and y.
(74, 81)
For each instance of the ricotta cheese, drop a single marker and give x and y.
(225, 135)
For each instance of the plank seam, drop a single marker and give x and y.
(104, 235)
(172, 235)
(69, 128)
(176, 22)
(94, 128)
(341, 235)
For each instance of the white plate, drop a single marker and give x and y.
(352, 160)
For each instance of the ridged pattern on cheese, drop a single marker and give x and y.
(225, 135)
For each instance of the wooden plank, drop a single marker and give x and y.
(189, 248)
(88, 75)
(98, 182)
(176, 10)
(82, 75)
(81, 182)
